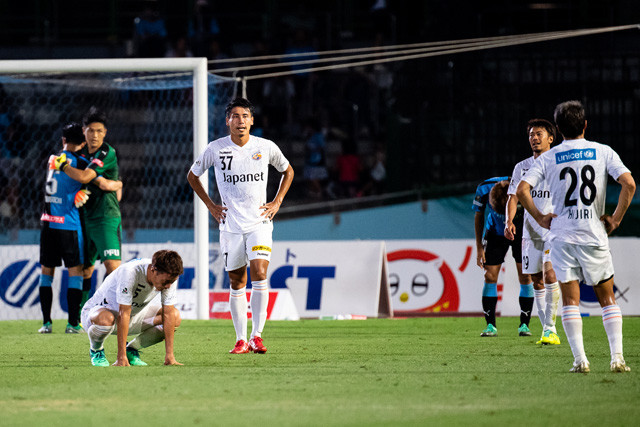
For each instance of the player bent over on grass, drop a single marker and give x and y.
(124, 305)
(576, 173)
(241, 164)
(492, 247)
(536, 249)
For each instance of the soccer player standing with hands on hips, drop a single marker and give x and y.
(576, 173)
(535, 239)
(241, 162)
(123, 305)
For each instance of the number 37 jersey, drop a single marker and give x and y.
(241, 176)
(576, 173)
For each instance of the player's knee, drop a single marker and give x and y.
(104, 318)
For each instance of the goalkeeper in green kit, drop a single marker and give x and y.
(101, 213)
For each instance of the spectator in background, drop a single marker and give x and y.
(377, 174)
(203, 28)
(150, 34)
(179, 48)
(315, 164)
(348, 170)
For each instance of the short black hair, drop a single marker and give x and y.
(239, 102)
(72, 133)
(94, 115)
(570, 118)
(542, 123)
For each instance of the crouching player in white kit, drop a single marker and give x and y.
(241, 164)
(123, 305)
(576, 172)
(535, 239)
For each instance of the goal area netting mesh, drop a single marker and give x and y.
(150, 124)
(154, 122)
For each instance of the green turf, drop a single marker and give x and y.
(385, 372)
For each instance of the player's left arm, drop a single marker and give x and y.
(107, 184)
(611, 222)
(122, 322)
(271, 208)
(169, 316)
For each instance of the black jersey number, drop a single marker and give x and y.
(587, 187)
(226, 162)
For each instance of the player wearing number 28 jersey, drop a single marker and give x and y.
(576, 173)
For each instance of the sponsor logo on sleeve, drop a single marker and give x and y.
(260, 248)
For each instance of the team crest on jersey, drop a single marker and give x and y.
(257, 155)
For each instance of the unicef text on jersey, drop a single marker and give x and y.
(577, 154)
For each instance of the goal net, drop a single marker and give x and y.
(152, 126)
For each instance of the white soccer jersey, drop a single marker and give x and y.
(127, 285)
(541, 198)
(576, 172)
(241, 175)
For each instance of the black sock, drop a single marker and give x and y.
(74, 296)
(526, 306)
(46, 298)
(489, 307)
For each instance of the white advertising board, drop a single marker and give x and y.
(334, 278)
(454, 281)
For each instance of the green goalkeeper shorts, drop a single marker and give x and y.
(103, 240)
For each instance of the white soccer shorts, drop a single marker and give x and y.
(534, 254)
(238, 249)
(592, 264)
(139, 322)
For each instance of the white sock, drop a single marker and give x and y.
(259, 303)
(538, 295)
(612, 320)
(572, 323)
(238, 308)
(552, 298)
(97, 334)
(148, 337)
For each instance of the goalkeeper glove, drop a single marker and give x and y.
(58, 162)
(81, 197)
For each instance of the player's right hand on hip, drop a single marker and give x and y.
(58, 162)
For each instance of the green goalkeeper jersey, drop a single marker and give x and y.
(102, 204)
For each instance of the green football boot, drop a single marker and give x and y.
(98, 358)
(490, 331)
(73, 329)
(46, 328)
(524, 331)
(133, 356)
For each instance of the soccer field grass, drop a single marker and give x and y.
(425, 371)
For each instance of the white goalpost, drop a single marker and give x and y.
(198, 67)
